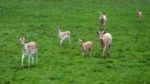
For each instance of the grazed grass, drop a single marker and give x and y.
(37, 19)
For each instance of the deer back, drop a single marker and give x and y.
(107, 38)
(31, 47)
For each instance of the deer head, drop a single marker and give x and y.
(22, 40)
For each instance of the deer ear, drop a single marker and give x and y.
(25, 37)
(97, 32)
(59, 26)
(80, 39)
(17, 37)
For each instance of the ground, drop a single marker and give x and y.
(129, 62)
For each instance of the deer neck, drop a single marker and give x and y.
(24, 47)
(82, 46)
(102, 42)
(59, 33)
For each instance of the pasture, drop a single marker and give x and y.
(129, 62)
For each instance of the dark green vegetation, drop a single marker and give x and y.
(37, 19)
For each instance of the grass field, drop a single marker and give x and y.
(37, 19)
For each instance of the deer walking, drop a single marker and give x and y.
(29, 49)
(63, 35)
(102, 20)
(139, 14)
(105, 41)
(86, 46)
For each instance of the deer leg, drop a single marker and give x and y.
(104, 50)
(139, 17)
(87, 52)
(61, 41)
(22, 59)
(32, 60)
(109, 49)
(83, 52)
(90, 51)
(102, 27)
(36, 58)
(29, 61)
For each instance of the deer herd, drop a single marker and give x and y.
(30, 49)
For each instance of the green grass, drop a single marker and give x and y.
(37, 19)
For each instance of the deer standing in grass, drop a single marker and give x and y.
(86, 46)
(105, 41)
(63, 35)
(102, 20)
(29, 50)
(139, 14)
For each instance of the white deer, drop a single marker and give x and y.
(63, 35)
(29, 50)
(102, 20)
(86, 46)
(139, 14)
(105, 41)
